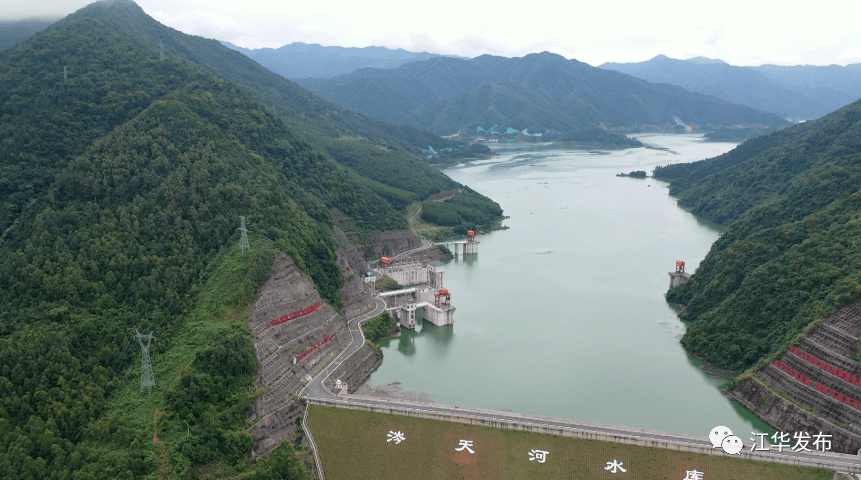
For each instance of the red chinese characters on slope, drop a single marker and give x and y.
(310, 349)
(839, 372)
(296, 314)
(819, 386)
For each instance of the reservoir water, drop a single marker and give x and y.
(564, 314)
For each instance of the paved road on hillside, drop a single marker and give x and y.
(316, 390)
(413, 216)
(425, 245)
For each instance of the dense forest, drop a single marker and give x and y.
(538, 91)
(379, 327)
(737, 134)
(123, 174)
(464, 211)
(791, 251)
(319, 120)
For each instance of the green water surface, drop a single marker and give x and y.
(564, 313)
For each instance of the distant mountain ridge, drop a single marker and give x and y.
(801, 92)
(537, 91)
(301, 60)
(18, 32)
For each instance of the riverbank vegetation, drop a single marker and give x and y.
(467, 210)
(379, 327)
(792, 251)
(594, 138)
(386, 283)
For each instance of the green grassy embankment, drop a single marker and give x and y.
(352, 446)
(425, 229)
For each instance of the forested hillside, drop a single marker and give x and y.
(537, 91)
(321, 122)
(792, 249)
(121, 183)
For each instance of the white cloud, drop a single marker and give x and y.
(24, 9)
(741, 32)
(852, 55)
(206, 23)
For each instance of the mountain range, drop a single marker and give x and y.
(540, 91)
(18, 32)
(129, 152)
(800, 92)
(300, 60)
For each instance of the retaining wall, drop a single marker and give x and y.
(785, 416)
(818, 374)
(285, 290)
(272, 429)
(807, 395)
(847, 319)
(356, 369)
(836, 339)
(356, 297)
(822, 352)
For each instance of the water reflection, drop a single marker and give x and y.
(467, 259)
(406, 342)
(436, 339)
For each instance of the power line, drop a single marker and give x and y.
(243, 240)
(147, 377)
(117, 361)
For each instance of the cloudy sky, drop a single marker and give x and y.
(741, 32)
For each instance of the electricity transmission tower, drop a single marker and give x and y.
(65, 75)
(147, 377)
(161, 51)
(243, 241)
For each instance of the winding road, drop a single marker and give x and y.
(315, 387)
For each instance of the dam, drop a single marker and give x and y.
(427, 292)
